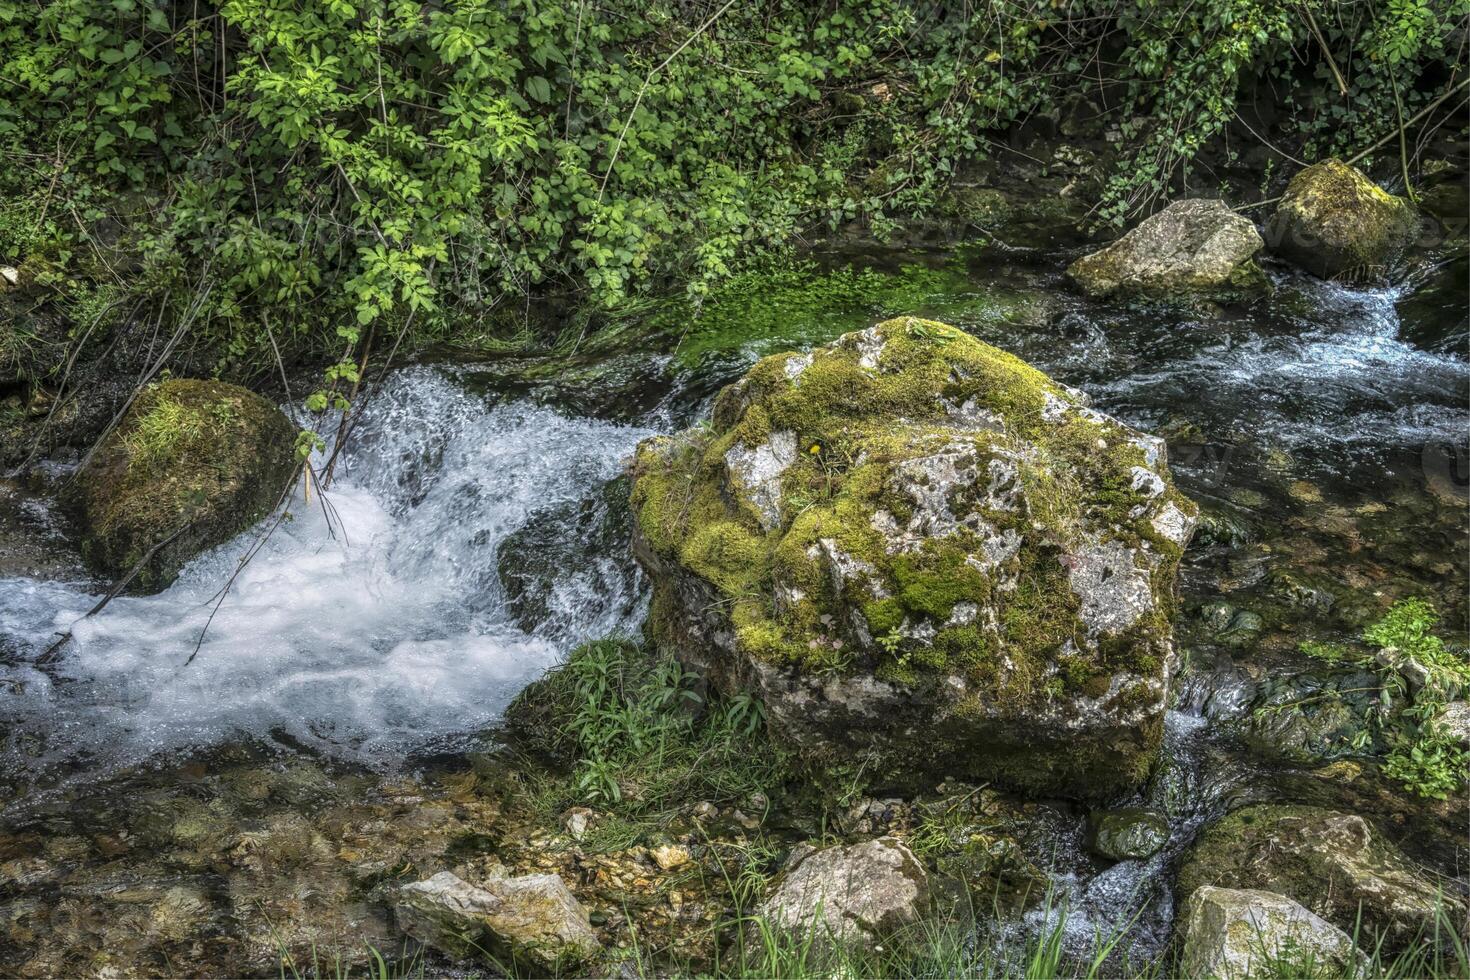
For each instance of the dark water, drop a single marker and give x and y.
(154, 819)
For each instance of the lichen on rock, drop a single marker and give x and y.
(191, 464)
(1191, 246)
(1233, 933)
(923, 555)
(1336, 864)
(851, 895)
(1337, 224)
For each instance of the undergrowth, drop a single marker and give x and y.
(1418, 674)
(631, 734)
(320, 180)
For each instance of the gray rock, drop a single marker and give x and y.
(851, 895)
(1336, 864)
(1456, 718)
(1190, 246)
(533, 919)
(1236, 933)
(1336, 223)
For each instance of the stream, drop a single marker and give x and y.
(477, 530)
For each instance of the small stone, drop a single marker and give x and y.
(533, 918)
(9, 278)
(1131, 833)
(1229, 932)
(1336, 223)
(1456, 719)
(577, 820)
(1193, 245)
(854, 894)
(670, 856)
(705, 810)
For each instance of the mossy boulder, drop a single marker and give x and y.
(924, 556)
(1337, 224)
(192, 464)
(1127, 834)
(1194, 246)
(1336, 864)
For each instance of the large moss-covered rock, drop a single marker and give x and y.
(192, 464)
(1190, 246)
(924, 556)
(1333, 863)
(1336, 223)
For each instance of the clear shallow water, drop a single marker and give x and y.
(472, 542)
(373, 627)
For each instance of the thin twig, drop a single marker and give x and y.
(644, 87)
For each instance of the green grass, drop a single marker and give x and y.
(631, 735)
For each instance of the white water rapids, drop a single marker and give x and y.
(379, 630)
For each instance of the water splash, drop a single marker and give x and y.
(373, 627)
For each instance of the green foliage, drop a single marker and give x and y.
(307, 177)
(1418, 674)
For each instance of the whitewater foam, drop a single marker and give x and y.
(372, 627)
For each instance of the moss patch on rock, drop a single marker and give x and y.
(192, 464)
(911, 540)
(1337, 224)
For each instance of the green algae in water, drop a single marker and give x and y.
(798, 305)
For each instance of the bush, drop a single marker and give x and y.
(318, 177)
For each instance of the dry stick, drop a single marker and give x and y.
(245, 559)
(113, 593)
(1326, 51)
(1398, 108)
(644, 88)
(1412, 120)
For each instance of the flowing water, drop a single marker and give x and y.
(477, 530)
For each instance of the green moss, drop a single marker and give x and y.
(1335, 222)
(192, 464)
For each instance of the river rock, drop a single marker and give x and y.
(851, 895)
(1127, 834)
(192, 464)
(533, 919)
(1190, 246)
(1236, 933)
(925, 557)
(1337, 224)
(1331, 862)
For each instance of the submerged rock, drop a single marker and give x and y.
(925, 557)
(851, 895)
(1333, 863)
(1190, 246)
(192, 464)
(1131, 833)
(533, 919)
(1236, 933)
(1336, 223)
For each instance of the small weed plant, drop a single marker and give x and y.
(1418, 674)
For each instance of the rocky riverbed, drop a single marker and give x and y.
(337, 736)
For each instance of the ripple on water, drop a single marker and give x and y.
(372, 627)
